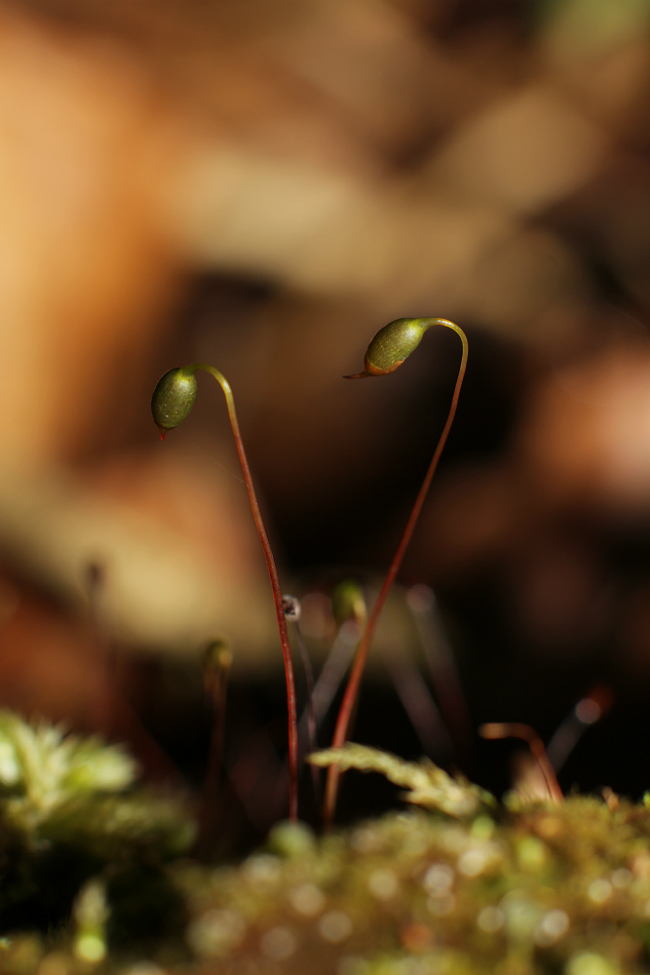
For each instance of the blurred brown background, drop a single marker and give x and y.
(263, 184)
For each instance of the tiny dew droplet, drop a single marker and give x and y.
(291, 607)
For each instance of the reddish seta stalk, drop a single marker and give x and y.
(537, 750)
(386, 353)
(171, 403)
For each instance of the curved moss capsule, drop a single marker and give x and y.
(348, 602)
(216, 656)
(392, 345)
(173, 399)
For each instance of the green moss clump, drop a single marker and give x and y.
(463, 885)
(70, 811)
(544, 888)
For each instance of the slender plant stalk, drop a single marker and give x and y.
(172, 401)
(536, 745)
(217, 664)
(586, 713)
(443, 671)
(352, 690)
(329, 680)
(309, 680)
(275, 585)
(292, 613)
(114, 715)
(417, 700)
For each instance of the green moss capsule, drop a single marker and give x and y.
(386, 353)
(173, 399)
(392, 345)
(348, 602)
(217, 657)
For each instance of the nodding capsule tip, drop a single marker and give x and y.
(359, 375)
(173, 399)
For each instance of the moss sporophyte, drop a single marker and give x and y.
(95, 870)
(386, 353)
(171, 403)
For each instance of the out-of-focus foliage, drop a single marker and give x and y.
(543, 888)
(526, 886)
(428, 785)
(61, 788)
(69, 809)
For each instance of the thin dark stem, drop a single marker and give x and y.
(275, 585)
(95, 578)
(586, 713)
(311, 710)
(332, 674)
(216, 686)
(115, 716)
(418, 703)
(443, 671)
(352, 689)
(326, 687)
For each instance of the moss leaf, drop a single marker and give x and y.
(428, 785)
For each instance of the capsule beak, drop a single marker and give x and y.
(371, 370)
